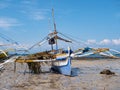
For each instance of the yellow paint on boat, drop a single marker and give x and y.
(101, 50)
(3, 55)
(33, 60)
(23, 61)
(64, 54)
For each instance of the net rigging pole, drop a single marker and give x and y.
(55, 31)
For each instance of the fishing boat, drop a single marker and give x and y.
(60, 59)
(62, 64)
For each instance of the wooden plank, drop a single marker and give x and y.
(29, 60)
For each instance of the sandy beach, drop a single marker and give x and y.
(89, 77)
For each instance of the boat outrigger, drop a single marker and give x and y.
(61, 60)
(4, 53)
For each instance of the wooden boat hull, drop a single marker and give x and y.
(62, 66)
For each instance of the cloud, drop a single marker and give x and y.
(105, 42)
(8, 22)
(37, 15)
(116, 41)
(110, 42)
(32, 11)
(91, 41)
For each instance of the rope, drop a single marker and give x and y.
(115, 51)
(9, 60)
(81, 42)
(8, 39)
(38, 43)
(82, 55)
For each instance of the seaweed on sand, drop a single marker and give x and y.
(107, 72)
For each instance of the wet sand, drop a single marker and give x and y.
(88, 77)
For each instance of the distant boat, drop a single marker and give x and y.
(3, 54)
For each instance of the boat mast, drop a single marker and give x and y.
(55, 31)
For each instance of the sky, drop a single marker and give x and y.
(96, 23)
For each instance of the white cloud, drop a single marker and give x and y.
(35, 13)
(8, 22)
(38, 15)
(116, 41)
(105, 42)
(31, 9)
(91, 41)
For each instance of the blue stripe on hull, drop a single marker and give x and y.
(65, 70)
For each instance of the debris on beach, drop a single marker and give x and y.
(107, 72)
